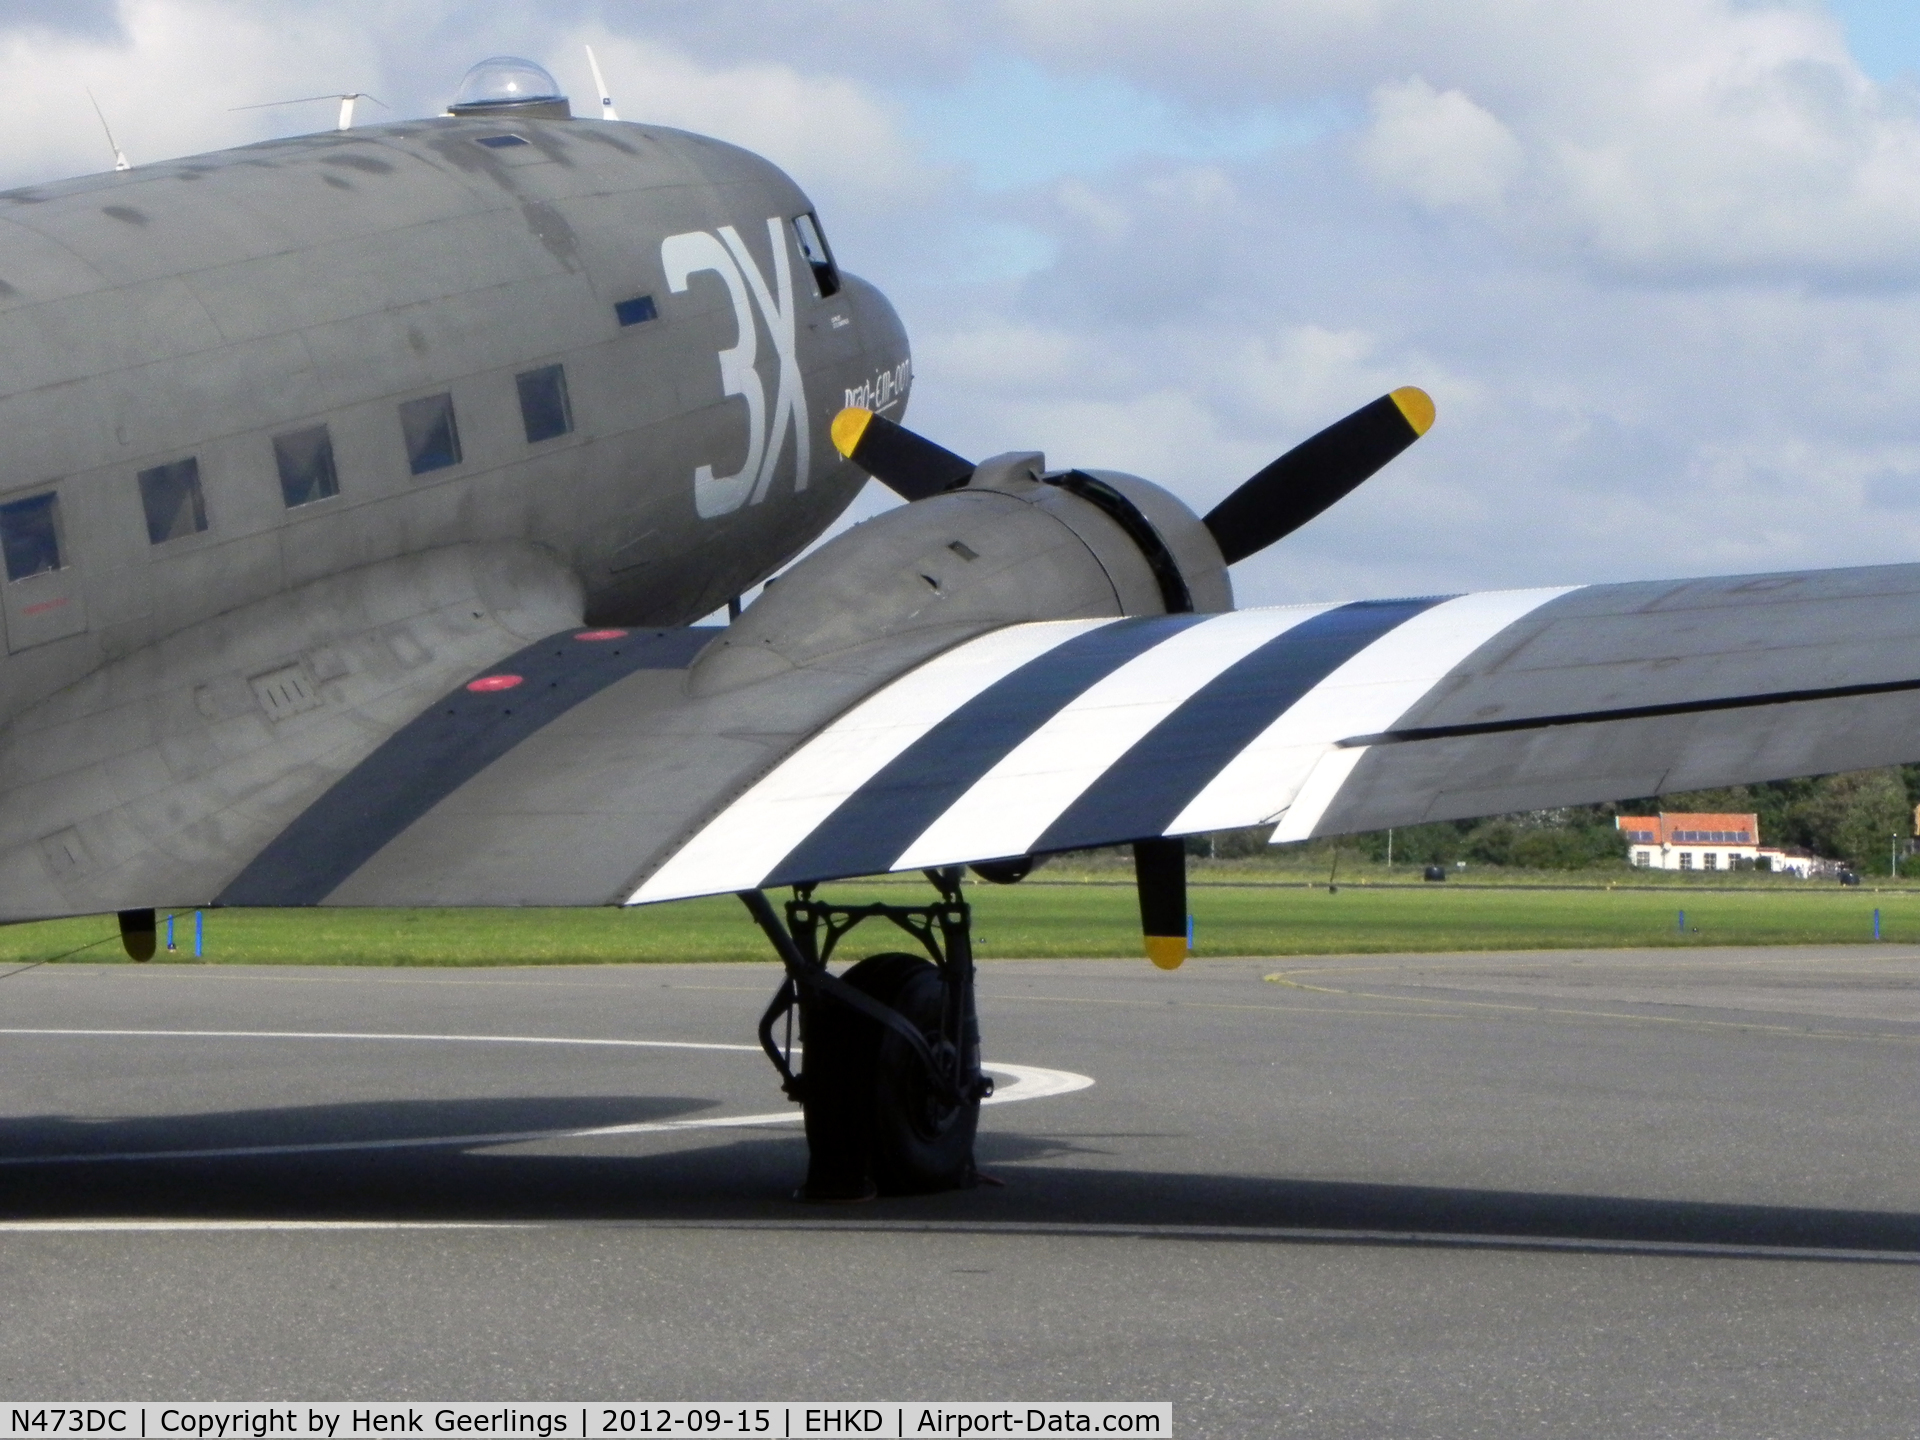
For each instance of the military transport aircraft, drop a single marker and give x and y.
(360, 491)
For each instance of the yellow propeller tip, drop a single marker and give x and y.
(1410, 400)
(848, 426)
(1169, 952)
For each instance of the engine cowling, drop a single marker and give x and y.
(1016, 543)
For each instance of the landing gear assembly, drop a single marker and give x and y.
(890, 1078)
(891, 1082)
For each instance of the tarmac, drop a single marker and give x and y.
(1567, 1193)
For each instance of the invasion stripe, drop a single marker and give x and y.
(1367, 693)
(876, 823)
(1040, 777)
(437, 752)
(751, 835)
(1159, 777)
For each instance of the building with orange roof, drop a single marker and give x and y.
(1699, 842)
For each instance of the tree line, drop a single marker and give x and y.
(1855, 817)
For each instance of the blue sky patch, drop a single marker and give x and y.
(1884, 35)
(1015, 124)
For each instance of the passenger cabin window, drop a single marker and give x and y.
(636, 311)
(173, 502)
(433, 439)
(543, 403)
(30, 535)
(305, 459)
(813, 245)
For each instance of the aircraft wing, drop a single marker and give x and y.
(619, 780)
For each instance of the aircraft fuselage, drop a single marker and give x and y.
(231, 377)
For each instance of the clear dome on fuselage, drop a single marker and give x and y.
(509, 85)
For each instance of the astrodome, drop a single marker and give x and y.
(507, 84)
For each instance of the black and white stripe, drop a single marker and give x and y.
(440, 750)
(1065, 734)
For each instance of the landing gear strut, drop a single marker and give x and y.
(891, 1080)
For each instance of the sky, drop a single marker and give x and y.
(1658, 261)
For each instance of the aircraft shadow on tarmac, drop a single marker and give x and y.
(749, 1176)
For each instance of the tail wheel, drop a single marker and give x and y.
(874, 1118)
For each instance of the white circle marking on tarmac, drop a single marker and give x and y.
(1029, 1082)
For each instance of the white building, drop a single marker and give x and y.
(1697, 842)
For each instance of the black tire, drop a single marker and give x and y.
(920, 1143)
(841, 1048)
(873, 1120)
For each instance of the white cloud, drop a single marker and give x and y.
(1438, 146)
(823, 129)
(1657, 136)
(167, 82)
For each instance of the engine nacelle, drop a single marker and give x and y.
(1016, 543)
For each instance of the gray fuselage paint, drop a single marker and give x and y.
(200, 307)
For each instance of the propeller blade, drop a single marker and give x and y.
(1317, 472)
(139, 933)
(1160, 875)
(904, 462)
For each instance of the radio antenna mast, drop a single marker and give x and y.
(120, 161)
(600, 87)
(346, 105)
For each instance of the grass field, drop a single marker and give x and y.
(1091, 916)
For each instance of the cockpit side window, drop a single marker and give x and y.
(30, 535)
(813, 245)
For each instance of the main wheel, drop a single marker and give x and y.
(920, 1142)
(873, 1117)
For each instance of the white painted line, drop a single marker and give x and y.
(1062, 1229)
(135, 1227)
(1011, 806)
(416, 1142)
(742, 844)
(1030, 1082)
(1362, 697)
(1022, 1082)
(384, 1035)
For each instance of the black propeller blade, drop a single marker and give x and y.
(1274, 503)
(1160, 875)
(1317, 472)
(911, 465)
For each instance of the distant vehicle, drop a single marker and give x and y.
(1434, 872)
(1848, 877)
